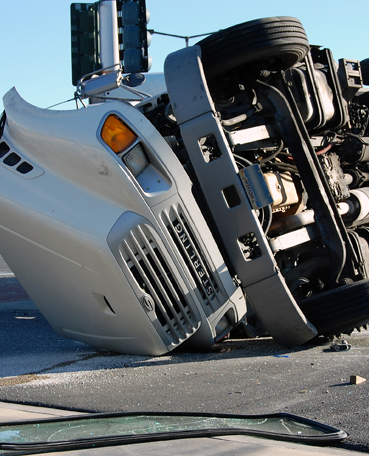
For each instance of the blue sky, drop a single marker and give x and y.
(35, 35)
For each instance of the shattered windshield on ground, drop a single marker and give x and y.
(117, 429)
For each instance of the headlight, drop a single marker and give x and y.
(136, 160)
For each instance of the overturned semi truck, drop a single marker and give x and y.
(237, 196)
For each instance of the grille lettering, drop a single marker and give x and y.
(201, 273)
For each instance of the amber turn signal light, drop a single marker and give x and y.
(116, 134)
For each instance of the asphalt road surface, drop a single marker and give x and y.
(250, 376)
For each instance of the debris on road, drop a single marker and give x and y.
(356, 380)
(343, 346)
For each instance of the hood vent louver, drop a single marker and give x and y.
(15, 162)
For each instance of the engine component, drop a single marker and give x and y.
(354, 149)
(359, 118)
(335, 176)
(282, 190)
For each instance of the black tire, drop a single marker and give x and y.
(365, 71)
(274, 43)
(340, 310)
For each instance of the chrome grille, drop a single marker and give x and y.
(154, 277)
